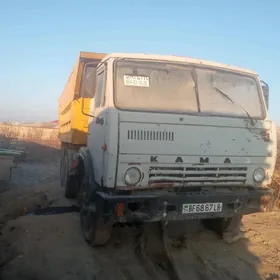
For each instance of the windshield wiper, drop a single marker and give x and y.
(240, 106)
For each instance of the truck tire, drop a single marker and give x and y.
(68, 182)
(232, 229)
(227, 228)
(62, 167)
(95, 231)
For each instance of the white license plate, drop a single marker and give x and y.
(202, 208)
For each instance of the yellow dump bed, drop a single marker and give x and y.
(73, 124)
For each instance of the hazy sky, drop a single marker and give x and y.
(40, 40)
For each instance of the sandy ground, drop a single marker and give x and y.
(51, 246)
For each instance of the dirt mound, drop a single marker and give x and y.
(275, 184)
(46, 247)
(17, 202)
(4, 186)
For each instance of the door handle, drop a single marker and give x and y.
(99, 121)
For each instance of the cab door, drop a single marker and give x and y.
(97, 127)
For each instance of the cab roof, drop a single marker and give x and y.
(182, 59)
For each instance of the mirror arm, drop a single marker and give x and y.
(266, 96)
(264, 83)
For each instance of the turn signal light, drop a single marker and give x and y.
(265, 200)
(120, 209)
(265, 135)
(266, 203)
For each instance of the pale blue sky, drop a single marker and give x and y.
(40, 40)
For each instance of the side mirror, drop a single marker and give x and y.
(265, 89)
(88, 81)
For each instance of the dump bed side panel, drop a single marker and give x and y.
(73, 124)
(65, 106)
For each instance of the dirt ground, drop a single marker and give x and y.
(51, 247)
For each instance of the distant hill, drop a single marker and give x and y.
(52, 124)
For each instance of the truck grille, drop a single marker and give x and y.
(198, 175)
(150, 135)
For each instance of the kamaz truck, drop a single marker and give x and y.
(155, 138)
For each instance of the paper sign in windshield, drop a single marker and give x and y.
(136, 81)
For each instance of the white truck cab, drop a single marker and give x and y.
(173, 138)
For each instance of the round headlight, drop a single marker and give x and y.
(132, 176)
(259, 175)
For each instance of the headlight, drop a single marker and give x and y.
(132, 176)
(259, 175)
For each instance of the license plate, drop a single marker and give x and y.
(202, 208)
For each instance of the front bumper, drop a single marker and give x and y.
(169, 206)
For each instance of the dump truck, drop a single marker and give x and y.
(158, 138)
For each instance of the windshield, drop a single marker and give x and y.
(166, 87)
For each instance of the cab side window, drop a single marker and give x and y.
(89, 82)
(100, 92)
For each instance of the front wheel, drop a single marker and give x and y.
(95, 231)
(227, 228)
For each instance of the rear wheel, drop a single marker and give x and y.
(62, 168)
(70, 183)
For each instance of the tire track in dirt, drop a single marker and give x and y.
(132, 253)
(202, 255)
(125, 255)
